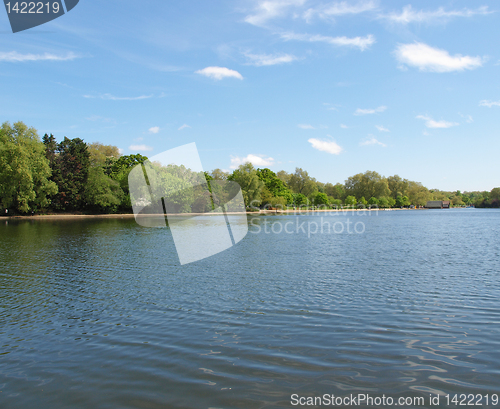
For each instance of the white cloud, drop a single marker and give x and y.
(325, 146)
(305, 126)
(360, 42)
(308, 126)
(430, 123)
(154, 129)
(339, 9)
(183, 127)
(408, 15)
(372, 141)
(427, 58)
(260, 60)
(270, 9)
(140, 148)
(218, 73)
(256, 160)
(360, 111)
(330, 107)
(121, 151)
(489, 104)
(381, 128)
(343, 126)
(468, 118)
(110, 97)
(14, 56)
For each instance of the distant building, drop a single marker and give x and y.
(438, 204)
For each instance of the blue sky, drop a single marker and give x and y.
(335, 88)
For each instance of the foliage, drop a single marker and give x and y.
(24, 169)
(70, 169)
(336, 191)
(368, 184)
(300, 200)
(402, 201)
(350, 201)
(248, 179)
(301, 182)
(72, 175)
(102, 194)
(275, 186)
(102, 155)
(120, 170)
(319, 199)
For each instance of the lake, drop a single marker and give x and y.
(99, 313)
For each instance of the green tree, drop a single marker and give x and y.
(319, 199)
(251, 186)
(120, 170)
(24, 169)
(103, 155)
(102, 194)
(367, 184)
(284, 176)
(301, 182)
(219, 174)
(350, 200)
(336, 191)
(402, 201)
(300, 200)
(70, 171)
(275, 186)
(397, 186)
(383, 202)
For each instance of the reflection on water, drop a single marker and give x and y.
(99, 313)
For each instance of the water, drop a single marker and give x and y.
(99, 313)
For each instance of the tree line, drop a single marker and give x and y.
(43, 175)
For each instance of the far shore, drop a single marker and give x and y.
(131, 215)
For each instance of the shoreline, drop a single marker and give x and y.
(131, 215)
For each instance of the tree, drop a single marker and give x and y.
(120, 171)
(301, 182)
(383, 202)
(284, 176)
(102, 194)
(418, 194)
(103, 155)
(319, 199)
(275, 186)
(336, 203)
(367, 184)
(24, 169)
(350, 201)
(495, 193)
(70, 173)
(300, 200)
(251, 186)
(219, 174)
(402, 201)
(397, 186)
(336, 191)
